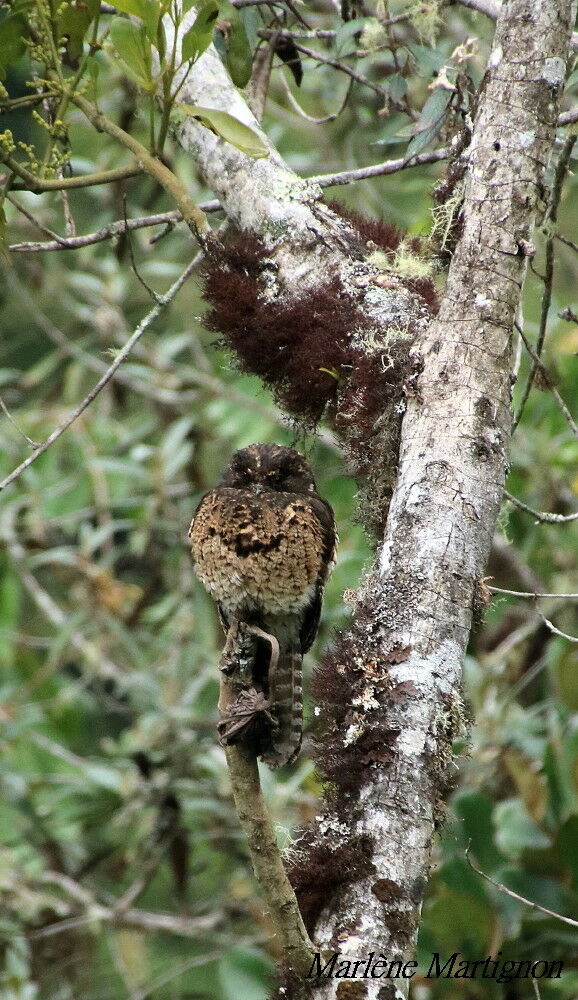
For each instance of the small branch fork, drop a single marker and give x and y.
(171, 218)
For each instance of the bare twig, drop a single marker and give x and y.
(69, 223)
(541, 515)
(556, 631)
(8, 415)
(540, 366)
(161, 304)
(550, 220)
(567, 243)
(515, 895)
(488, 7)
(74, 350)
(491, 8)
(31, 218)
(379, 169)
(150, 291)
(571, 116)
(530, 593)
(308, 118)
(324, 180)
(337, 64)
(107, 232)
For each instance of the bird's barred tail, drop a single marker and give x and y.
(286, 702)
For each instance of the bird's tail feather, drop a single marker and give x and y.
(286, 705)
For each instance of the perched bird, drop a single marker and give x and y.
(263, 543)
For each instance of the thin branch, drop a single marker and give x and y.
(137, 919)
(568, 243)
(491, 8)
(324, 180)
(380, 169)
(8, 415)
(568, 117)
(256, 3)
(515, 895)
(161, 304)
(69, 223)
(35, 222)
(107, 232)
(552, 388)
(192, 214)
(488, 7)
(550, 220)
(150, 291)
(556, 631)
(308, 118)
(327, 61)
(72, 349)
(530, 593)
(39, 186)
(266, 858)
(541, 515)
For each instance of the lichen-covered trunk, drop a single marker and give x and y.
(402, 658)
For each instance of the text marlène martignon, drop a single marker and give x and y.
(336, 965)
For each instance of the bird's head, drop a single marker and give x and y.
(269, 467)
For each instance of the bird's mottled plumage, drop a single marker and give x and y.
(263, 543)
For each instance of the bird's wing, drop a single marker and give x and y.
(312, 613)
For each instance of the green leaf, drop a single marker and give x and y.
(239, 58)
(93, 70)
(475, 811)
(242, 972)
(151, 19)
(428, 61)
(397, 87)
(515, 829)
(147, 10)
(132, 7)
(198, 37)
(430, 120)
(134, 51)
(228, 128)
(73, 24)
(251, 20)
(348, 30)
(13, 31)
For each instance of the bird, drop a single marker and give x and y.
(263, 544)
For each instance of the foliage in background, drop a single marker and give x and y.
(122, 869)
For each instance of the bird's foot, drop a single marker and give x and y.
(248, 715)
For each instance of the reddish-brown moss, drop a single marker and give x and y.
(322, 866)
(299, 347)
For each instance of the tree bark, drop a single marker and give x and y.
(401, 659)
(417, 605)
